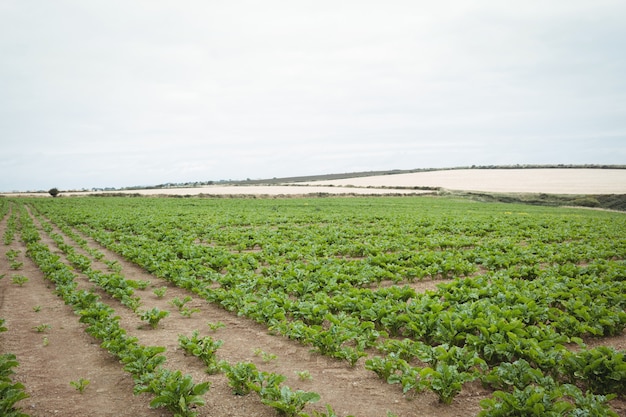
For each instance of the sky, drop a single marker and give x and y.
(111, 93)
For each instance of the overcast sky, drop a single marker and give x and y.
(103, 93)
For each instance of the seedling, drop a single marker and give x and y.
(37, 309)
(214, 326)
(19, 280)
(114, 266)
(203, 348)
(15, 265)
(304, 375)
(187, 312)
(177, 302)
(139, 284)
(241, 376)
(160, 292)
(42, 327)
(80, 385)
(267, 357)
(177, 392)
(290, 403)
(12, 254)
(46, 342)
(132, 302)
(154, 316)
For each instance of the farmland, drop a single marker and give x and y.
(368, 306)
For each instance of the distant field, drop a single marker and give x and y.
(550, 181)
(572, 181)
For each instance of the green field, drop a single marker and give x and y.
(522, 288)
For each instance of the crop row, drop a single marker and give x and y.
(525, 285)
(10, 392)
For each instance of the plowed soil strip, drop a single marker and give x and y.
(51, 359)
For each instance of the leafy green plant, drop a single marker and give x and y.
(518, 374)
(45, 342)
(80, 384)
(241, 376)
(290, 403)
(215, 326)
(42, 327)
(266, 357)
(114, 265)
(203, 348)
(12, 254)
(19, 280)
(180, 303)
(304, 375)
(601, 369)
(10, 392)
(445, 381)
(138, 284)
(132, 302)
(154, 316)
(141, 361)
(15, 265)
(187, 312)
(177, 392)
(160, 292)
(37, 308)
(548, 399)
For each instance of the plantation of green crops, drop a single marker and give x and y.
(522, 290)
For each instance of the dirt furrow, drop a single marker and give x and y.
(56, 355)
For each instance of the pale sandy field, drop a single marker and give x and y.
(549, 181)
(271, 190)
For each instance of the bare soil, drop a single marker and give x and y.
(68, 354)
(549, 181)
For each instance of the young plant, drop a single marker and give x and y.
(177, 392)
(42, 327)
(203, 348)
(10, 393)
(139, 284)
(160, 292)
(114, 266)
(445, 381)
(80, 384)
(12, 254)
(214, 326)
(37, 308)
(177, 302)
(15, 265)
(132, 302)
(19, 280)
(267, 357)
(154, 316)
(241, 376)
(304, 375)
(45, 342)
(187, 312)
(290, 403)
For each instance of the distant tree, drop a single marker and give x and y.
(54, 192)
